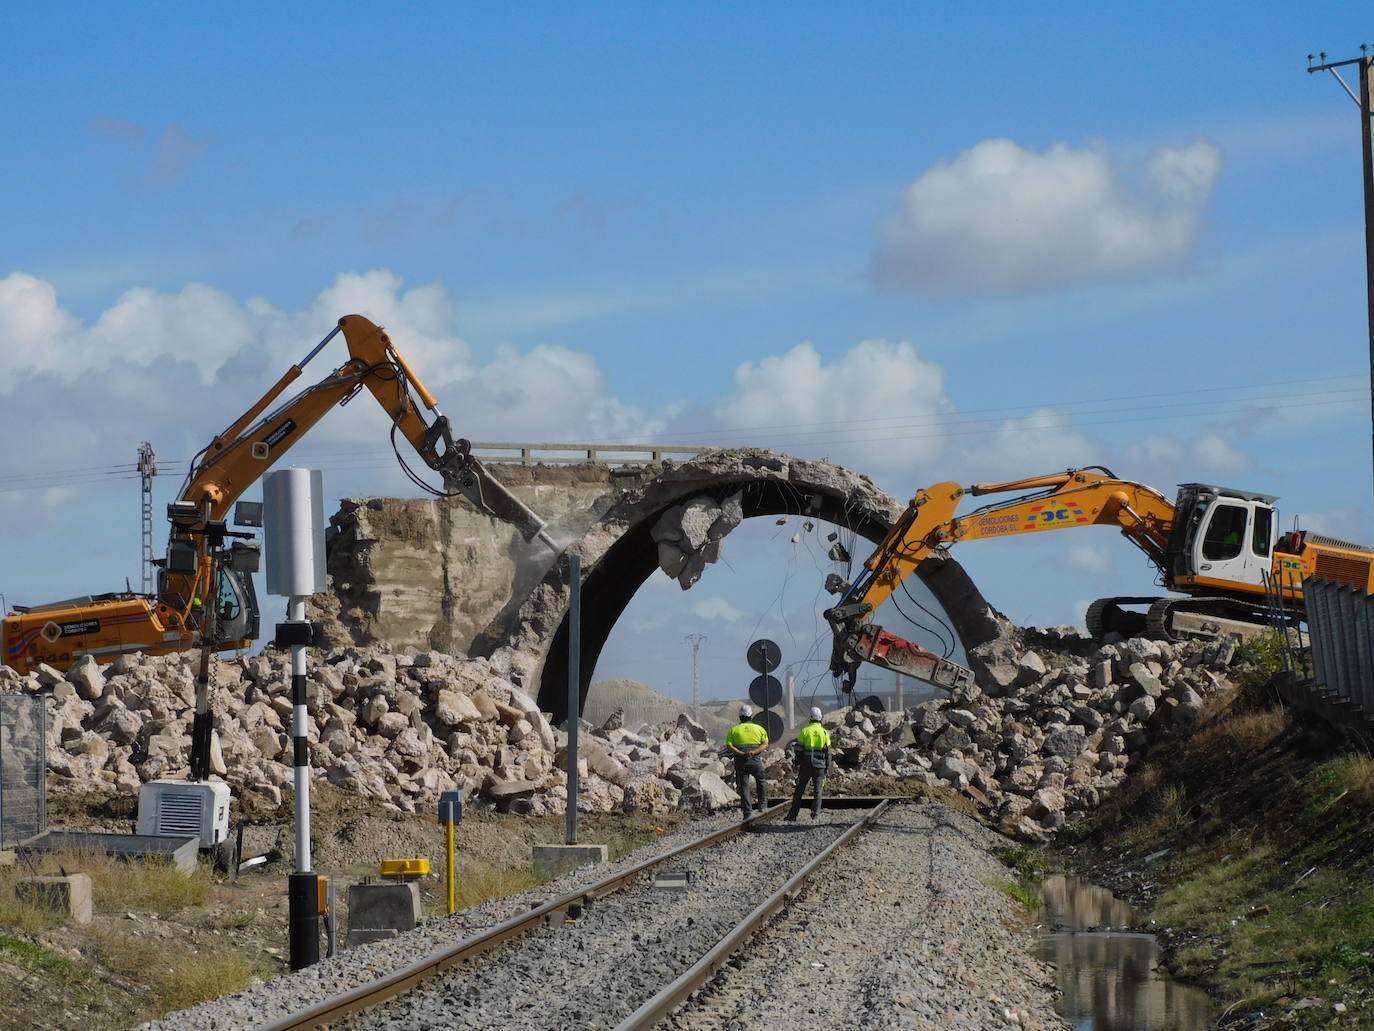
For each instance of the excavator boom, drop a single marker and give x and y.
(1073, 498)
(201, 570)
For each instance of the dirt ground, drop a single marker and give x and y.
(67, 976)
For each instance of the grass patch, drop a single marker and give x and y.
(237, 921)
(477, 883)
(174, 979)
(33, 956)
(1029, 897)
(116, 884)
(26, 917)
(209, 975)
(1031, 866)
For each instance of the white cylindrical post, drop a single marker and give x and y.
(300, 740)
(790, 710)
(293, 525)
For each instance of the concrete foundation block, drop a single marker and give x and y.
(388, 907)
(70, 895)
(362, 935)
(552, 860)
(8, 857)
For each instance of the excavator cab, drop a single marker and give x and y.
(1221, 535)
(236, 613)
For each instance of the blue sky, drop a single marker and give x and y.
(931, 244)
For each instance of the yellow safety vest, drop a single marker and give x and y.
(746, 735)
(813, 735)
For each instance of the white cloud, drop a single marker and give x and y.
(1000, 217)
(849, 410)
(1161, 460)
(717, 609)
(1090, 558)
(1217, 452)
(176, 368)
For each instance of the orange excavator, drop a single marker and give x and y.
(1215, 546)
(205, 597)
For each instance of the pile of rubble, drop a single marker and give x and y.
(399, 728)
(1053, 725)
(1047, 734)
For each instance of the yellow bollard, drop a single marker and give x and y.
(450, 813)
(452, 880)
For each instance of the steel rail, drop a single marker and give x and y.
(398, 982)
(674, 994)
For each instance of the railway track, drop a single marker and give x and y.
(621, 953)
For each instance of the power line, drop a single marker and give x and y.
(1073, 414)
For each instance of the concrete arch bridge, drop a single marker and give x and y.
(436, 573)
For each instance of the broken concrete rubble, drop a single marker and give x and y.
(401, 727)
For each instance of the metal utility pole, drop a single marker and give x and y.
(695, 641)
(1319, 63)
(147, 469)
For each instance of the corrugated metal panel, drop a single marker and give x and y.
(1340, 620)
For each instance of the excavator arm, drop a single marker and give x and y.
(184, 612)
(1074, 498)
(238, 457)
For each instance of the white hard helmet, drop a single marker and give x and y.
(746, 711)
(815, 712)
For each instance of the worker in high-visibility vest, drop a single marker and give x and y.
(746, 742)
(812, 752)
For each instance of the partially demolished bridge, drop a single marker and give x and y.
(438, 574)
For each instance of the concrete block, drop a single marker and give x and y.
(363, 935)
(394, 906)
(8, 857)
(552, 860)
(70, 895)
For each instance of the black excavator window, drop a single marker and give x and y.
(1264, 528)
(1225, 532)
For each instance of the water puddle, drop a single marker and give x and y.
(1107, 976)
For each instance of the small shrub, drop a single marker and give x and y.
(237, 921)
(1163, 812)
(1258, 661)
(1029, 896)
(1027, 862)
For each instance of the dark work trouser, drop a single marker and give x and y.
(744, 769)
(807, 773)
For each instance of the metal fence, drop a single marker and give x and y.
(1340, 622)
(23, 768)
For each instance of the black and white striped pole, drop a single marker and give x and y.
(293, 517)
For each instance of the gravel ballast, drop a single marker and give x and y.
(900, 929)
(942, 957)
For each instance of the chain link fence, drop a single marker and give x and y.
(23, 768)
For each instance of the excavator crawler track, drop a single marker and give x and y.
(1106, 615)
(1221, 617)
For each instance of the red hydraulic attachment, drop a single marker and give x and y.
(874, 644)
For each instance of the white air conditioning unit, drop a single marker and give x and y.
(185, 809)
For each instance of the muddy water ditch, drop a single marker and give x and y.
(1106, 973)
